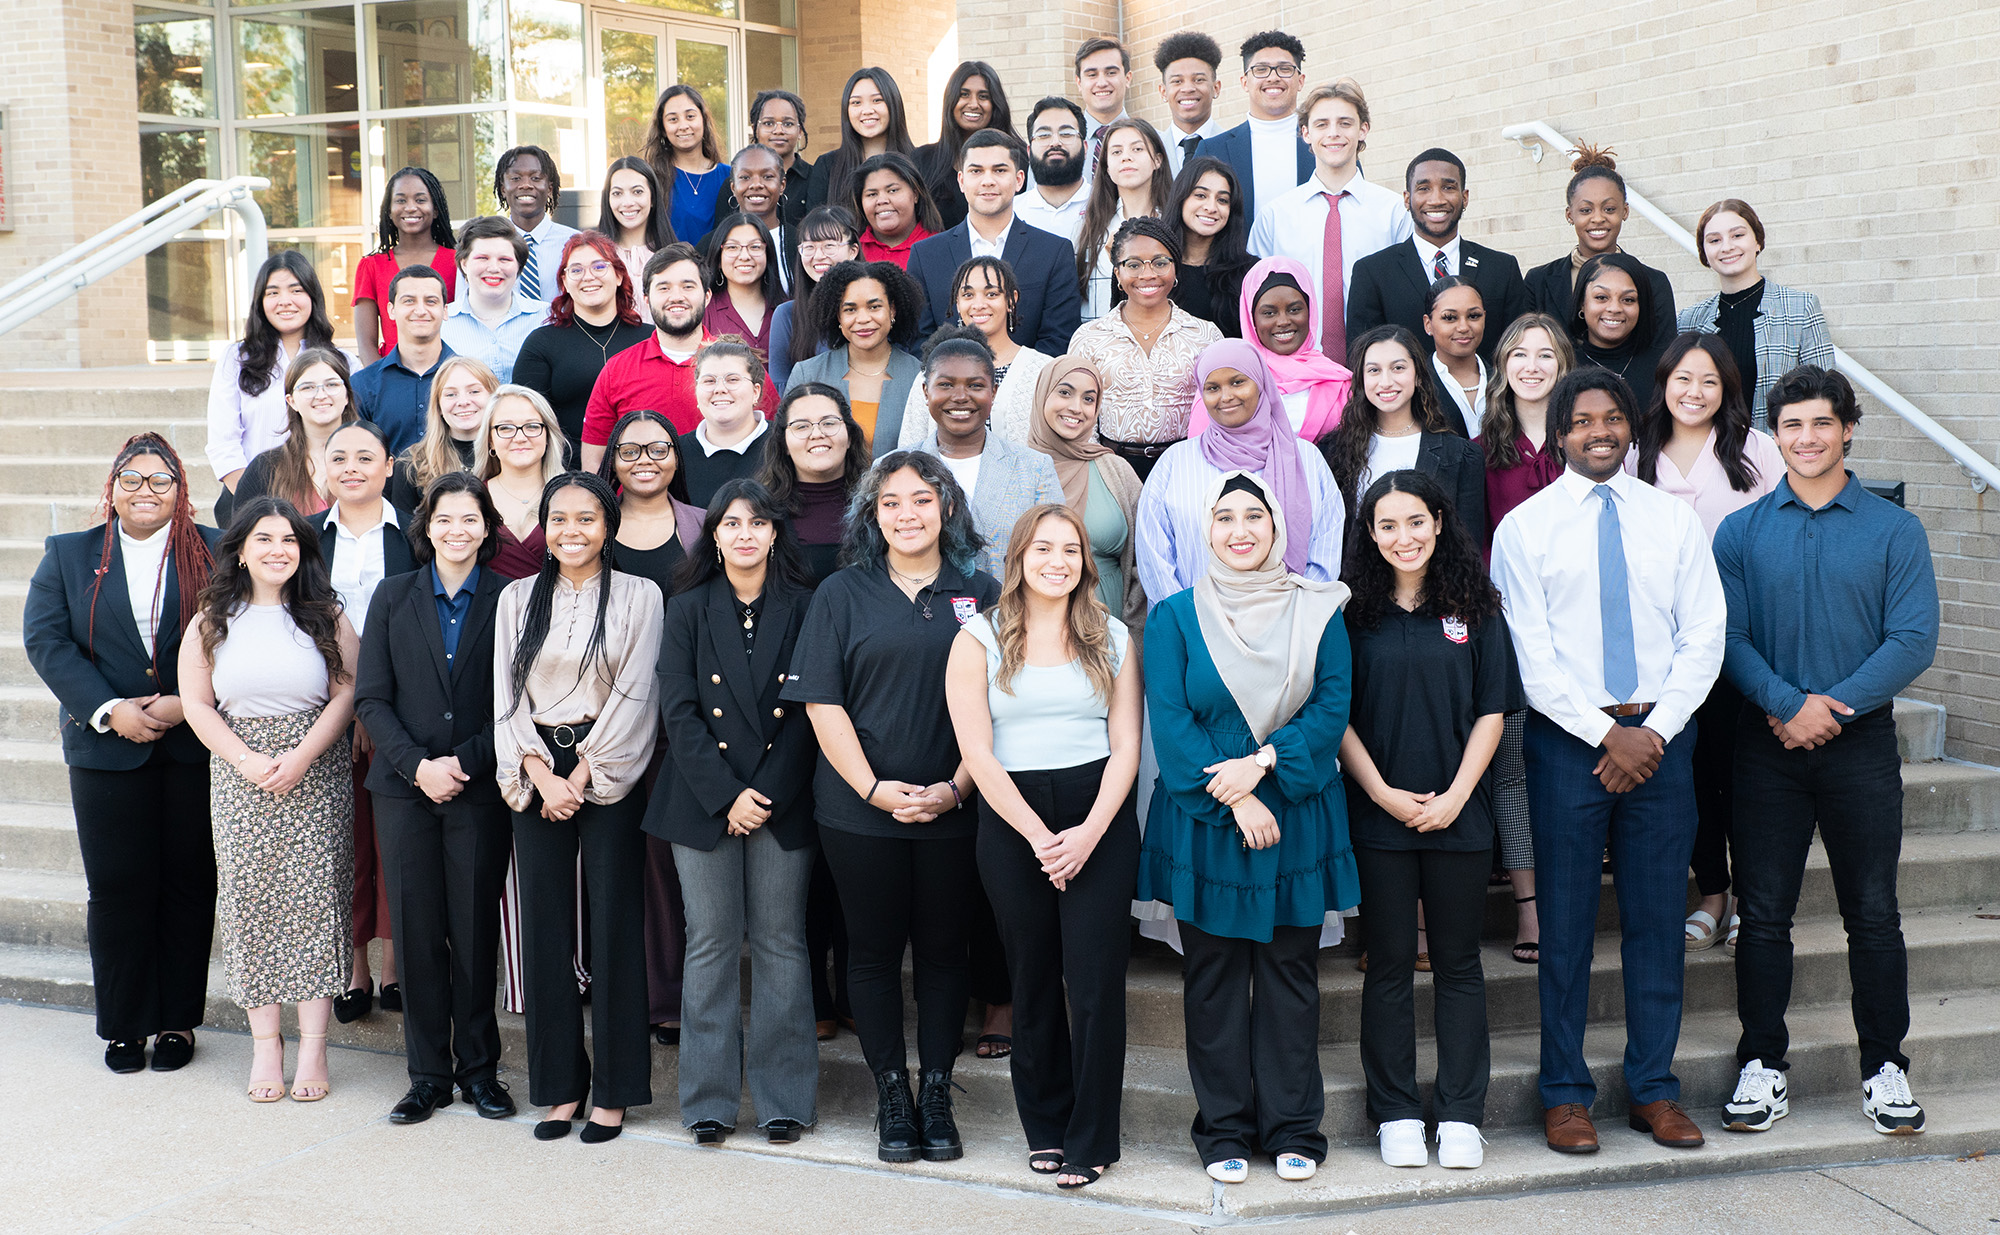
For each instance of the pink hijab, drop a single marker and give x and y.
(1264, 445)
(1326, 381)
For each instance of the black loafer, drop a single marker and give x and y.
(667, 1035)
(490, 1098)
(352, 1006)
(417, 1105)
(391, 999)
(708, 1131)
(172, 1051)
(123, 1057)
(557, 1129)
(784, 1131)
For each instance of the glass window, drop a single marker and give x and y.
(561, 136)
(176, 60)
(295, 64)
(770, 62)
(707, 8)
(772, 12)
(334, 260)
(169, 157)
(433, 53)
(314, 170)
(631, 84)
(547, 52)
(705, 66)
(458, 150)
(187, 285)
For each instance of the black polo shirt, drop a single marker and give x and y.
(872, 650)
(1420, 684)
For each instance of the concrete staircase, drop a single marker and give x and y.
(61, 436)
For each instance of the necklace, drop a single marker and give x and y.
(693, 181)
(495, 486)
(1620, 370)
(855, 368)
(919, 583)
(604, 344)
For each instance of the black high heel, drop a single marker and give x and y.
(556, 1129)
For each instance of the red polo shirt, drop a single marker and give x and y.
(873, 250)
(643, 378)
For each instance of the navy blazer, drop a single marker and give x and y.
(1233, 148)
(727, 729)
(1390, 284)
(415, 704)
(86, 672)
(1050, 309)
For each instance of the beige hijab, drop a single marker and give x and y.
(1072, 459)
(1262, 627)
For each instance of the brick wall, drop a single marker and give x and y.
(839, 36)
(1864, 133)
(66, 76)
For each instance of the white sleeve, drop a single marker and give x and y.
(1548, 686)
(1701, 619)
(225, 416)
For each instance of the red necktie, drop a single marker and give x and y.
(1332, 284)
(1441, 270)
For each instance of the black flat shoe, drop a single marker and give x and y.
(391, 999)
(595, 1133)
(490, 1098)
(708, 1131)
(417, 1105)
(784, 1131)
(172, 1051)
(124, 1057)
(667, 1035)
(352, 1006)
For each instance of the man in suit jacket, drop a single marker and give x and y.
(991, 168)
(1390, 286)
(1273, 72)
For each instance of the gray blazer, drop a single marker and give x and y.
(905, 371)
(1791, 331)
(1012, 479)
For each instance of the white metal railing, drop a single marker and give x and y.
(63, 276)
(1534, 137)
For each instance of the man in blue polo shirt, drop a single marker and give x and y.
(1833, 609)
(395, 391)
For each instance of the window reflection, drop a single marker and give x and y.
(296, 64)
(433, 53)
(176, 63)
(547, 51)
(314, 170)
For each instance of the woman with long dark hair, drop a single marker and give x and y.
(1277, 315)
(1613, 322)
(814, 456)
(593, 317)
(984, 295)
(1434, 677)
(633, 212)
(973, 100)
(267, 683)
(894, 207)
(737, 809)
(1595, 204)
(573, 665)
(828, 236)
(744, 291)
(317, 402)
(1132, 183)
(866, 313)
(102, 627)
(686, 156)
(872, 122)
(415, 230)
(1206, 214)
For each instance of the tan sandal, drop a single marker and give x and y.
(260, 1091)
(299, 1093)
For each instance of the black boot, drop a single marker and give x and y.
(941, 1143)
(895, 1117)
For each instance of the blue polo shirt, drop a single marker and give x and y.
(1839, 601)
(452, 609)
(396, 397)
(494, 346)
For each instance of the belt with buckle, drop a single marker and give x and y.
(1628, 709)
(1144, 450)
(565, 736)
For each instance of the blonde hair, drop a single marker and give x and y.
(1502, 423)
(1348, 91)
(1088, 623)
(486, 464)
(432, 455)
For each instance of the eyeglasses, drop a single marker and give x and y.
(533, 428)
(1065, 133)
(1285, 72)
(1134, 265)
(780, 126)
(739, 247)
(578, 271)
(825, 427)
(313, 390)
(726, 379)
(824, 248)
(629, 452)
(158, 482)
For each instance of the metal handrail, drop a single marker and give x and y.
(1536, 135)
(63, 276)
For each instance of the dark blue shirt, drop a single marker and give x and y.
(1839, 601)
(396, 397)
(452, 608)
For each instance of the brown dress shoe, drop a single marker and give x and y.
(1569, 1129)
(1668, 1123)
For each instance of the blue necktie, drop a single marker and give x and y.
(531, 279)
(1614, 603)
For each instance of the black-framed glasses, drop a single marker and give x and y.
(658, 452)
(158, 482)
(1285, 72)
(533, 428)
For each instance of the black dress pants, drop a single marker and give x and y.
(1253, 1043)
(1067, 953)
(826, 945)
(898, 893)
(149, 865)
(1452, 888)
(445, 865)
(1715, 787)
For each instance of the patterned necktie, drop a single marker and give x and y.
(1439, 270)
(1332, 284)
(531, 281)
(1614, 602)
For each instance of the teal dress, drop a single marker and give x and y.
(1193, 857)
(1105, 524)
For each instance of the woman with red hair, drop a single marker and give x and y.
(593, 318)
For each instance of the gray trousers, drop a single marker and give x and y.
(747, 887)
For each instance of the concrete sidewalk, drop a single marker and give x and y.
(86, 1150)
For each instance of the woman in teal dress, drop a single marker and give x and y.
(1096, 482)
(1247, 686)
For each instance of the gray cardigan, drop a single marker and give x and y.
(904, 372)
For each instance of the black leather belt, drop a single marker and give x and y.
(565, 736)
(1138, 450)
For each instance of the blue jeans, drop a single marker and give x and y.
(1651, 835)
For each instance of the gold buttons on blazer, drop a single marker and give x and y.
(715, 678)
(715, 711)
(722, 746)
(778, 712)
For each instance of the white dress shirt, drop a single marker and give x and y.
(142, 560)
(1473, 409)
(981, 246)
(1274, 157)
(1427, 254)
(1371, 218)
(1065, 220)
(357, 568)
(240, 426)
(1545, 565)
(1173, 137)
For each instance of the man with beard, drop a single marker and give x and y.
(1054, 199)
(659, 373)
(1389, 285)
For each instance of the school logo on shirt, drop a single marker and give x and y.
(1454, 630)
(964, 608)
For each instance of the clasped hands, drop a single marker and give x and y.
(275, 775)
(562, 796)
(145, 719)
(1233, 783)
(913, 803)
(1815, 723)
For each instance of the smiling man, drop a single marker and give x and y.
(395, 391)
(659, 373)
(1189, 85)
(1055, 199)
(1103, 77)
(526, 182)
(1267, 151)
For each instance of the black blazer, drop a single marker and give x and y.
(1390, 284)
(726, 727)
(86, 674)
(1454, 418)
(397, 557)
(1051, 307)
(1459, 467)
(1233, 148)
(1549, 292)
(791, 199)
(415, 706)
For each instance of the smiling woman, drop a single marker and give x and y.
(593, 318)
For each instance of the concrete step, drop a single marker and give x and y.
(74, 474)
(27, 714)
(19, 557)
(39, 838)
(34, 772)
(100, 438)
(1919, 730)
(14, 667)
(1948, 796)
(168, 397)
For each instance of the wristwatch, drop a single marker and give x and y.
(1266, 757)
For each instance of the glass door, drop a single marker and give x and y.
(637, 58)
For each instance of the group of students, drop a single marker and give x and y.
(587, 652)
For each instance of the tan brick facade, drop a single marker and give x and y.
(837, 37)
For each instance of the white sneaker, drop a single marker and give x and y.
(1296, 1167)
(1403, 1143)
(1760, 1100)
(1460, 1145)
(1229, 1171)
(1886, 1100)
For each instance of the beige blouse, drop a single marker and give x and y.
(1147, 398)
(617, 694)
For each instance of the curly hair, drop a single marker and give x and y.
(388, 235)
(308, 595)
(1455, 583)
(1732, 420)
(959, 542)
(1087, 629)
(1345, 447)
(906, 301)
(780, 474)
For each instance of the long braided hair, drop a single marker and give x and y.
(185, 547)
(536, 618)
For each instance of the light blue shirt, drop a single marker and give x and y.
(494, 346)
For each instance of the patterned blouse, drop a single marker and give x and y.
(1146, 397)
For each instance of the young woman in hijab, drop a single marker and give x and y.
(1097, 483)
(1281, 320)
(1247, 687)
(1249, 431)
(1613, 322)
